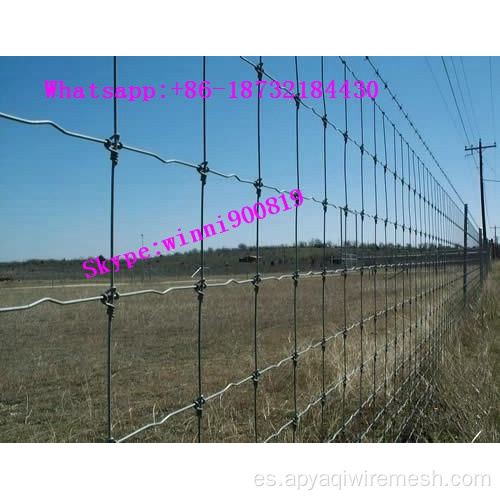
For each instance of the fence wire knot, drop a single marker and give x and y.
(203, 171)
(260, 71)
(255, 377)
(107, 299)
(323, 345)
(113, 145)
(256, 281)
(258, 186)
(200, 287)
(198, 405)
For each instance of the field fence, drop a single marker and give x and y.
(412, 260)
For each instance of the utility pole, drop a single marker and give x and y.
(480, 149)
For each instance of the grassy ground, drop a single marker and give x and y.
(53, 360)
(466, 402)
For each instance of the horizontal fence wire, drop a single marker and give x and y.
(426, 260)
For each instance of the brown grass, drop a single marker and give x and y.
(465, 402)
(53, 359)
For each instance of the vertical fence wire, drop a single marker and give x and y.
(361, 271)
(403, 269)
(257, 280)
(323, 267)
(386, 279)
(395, 277)
(109, 296)
(420, 266)
(409, 271)
(201, 285)
(415, 268)
(296, 273)
(344, 253)
(375, 226)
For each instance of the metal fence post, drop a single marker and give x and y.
(481, 263)
(466, 217)
(490, 251)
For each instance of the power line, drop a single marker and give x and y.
(492, 100)
(456, 103)
(492, 104)
(466, 113)
(442, 96)
(471, 101)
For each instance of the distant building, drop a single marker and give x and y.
(250, 258)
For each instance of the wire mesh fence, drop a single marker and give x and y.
(342, 347)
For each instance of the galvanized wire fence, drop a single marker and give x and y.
(411, 261)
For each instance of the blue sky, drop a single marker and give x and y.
(54, 194)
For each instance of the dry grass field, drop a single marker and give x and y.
(53, 359)
(468, 378)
